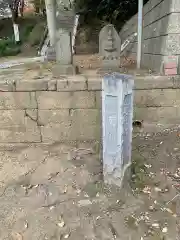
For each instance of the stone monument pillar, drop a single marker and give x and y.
(51, 22)
(64, 55)
(117, 114)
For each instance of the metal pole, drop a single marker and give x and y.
(140, 27)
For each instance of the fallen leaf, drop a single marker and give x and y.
(155, 225)
(164, 230)
(61, 224)
(26, 225)
(66, 236)
(157, 189)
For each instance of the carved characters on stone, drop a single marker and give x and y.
(109, 47)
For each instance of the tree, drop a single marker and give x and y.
(10, 8)
(116, 12)
(39, 5)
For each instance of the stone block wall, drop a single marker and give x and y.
(68, 110)
(161, 32)
(49, 110)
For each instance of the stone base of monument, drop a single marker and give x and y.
(60, 69)
(50, 54)
(103, 71)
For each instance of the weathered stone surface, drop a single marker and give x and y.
(98, 99)
(62, 132)
(157, 97)
(32, 114)
(63, 47)
(52, 85)
(95, 83)
(58, 100)
(49, 117)
(50, 54)
(65, 19)
(20, 134)
(109, 48)
(10, 118)
(154, 82)
(64, 69)
(117, 114)
(32, 85)
(160, 33)
(75, 83)
(89, 116)
(161, 115)
(7, 86)
(56, 133)
(17, 100)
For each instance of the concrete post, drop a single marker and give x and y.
(117, 114)
(140, 26)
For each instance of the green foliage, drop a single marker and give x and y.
(24, 34)
(8, 47)
(139, 173)
(113, 11)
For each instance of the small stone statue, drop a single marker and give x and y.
(109, 48)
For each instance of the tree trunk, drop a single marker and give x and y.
(14, 6)
(51, 20)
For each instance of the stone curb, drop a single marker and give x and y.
(85, 83)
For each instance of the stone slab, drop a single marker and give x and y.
(86, 116)
(50, 54)
(63, 47)
(32, 85)
(56, 133)
(18, 100)
(7, 86)
(49, 117)
(72, 83)
(10, 118)
(164, 115)
(66, 69)
(94, 83)
(67, 100)
(20, 134)
(157, 97)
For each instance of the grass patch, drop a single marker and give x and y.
(139, 174)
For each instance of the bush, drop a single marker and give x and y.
(26, 32)
(108, 10)
(8, 47)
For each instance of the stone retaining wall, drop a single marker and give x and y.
(69, 109)
(160, 33)
(49, 110)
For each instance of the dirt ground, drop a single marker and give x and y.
(56, 192)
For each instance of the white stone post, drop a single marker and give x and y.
(117, 114)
